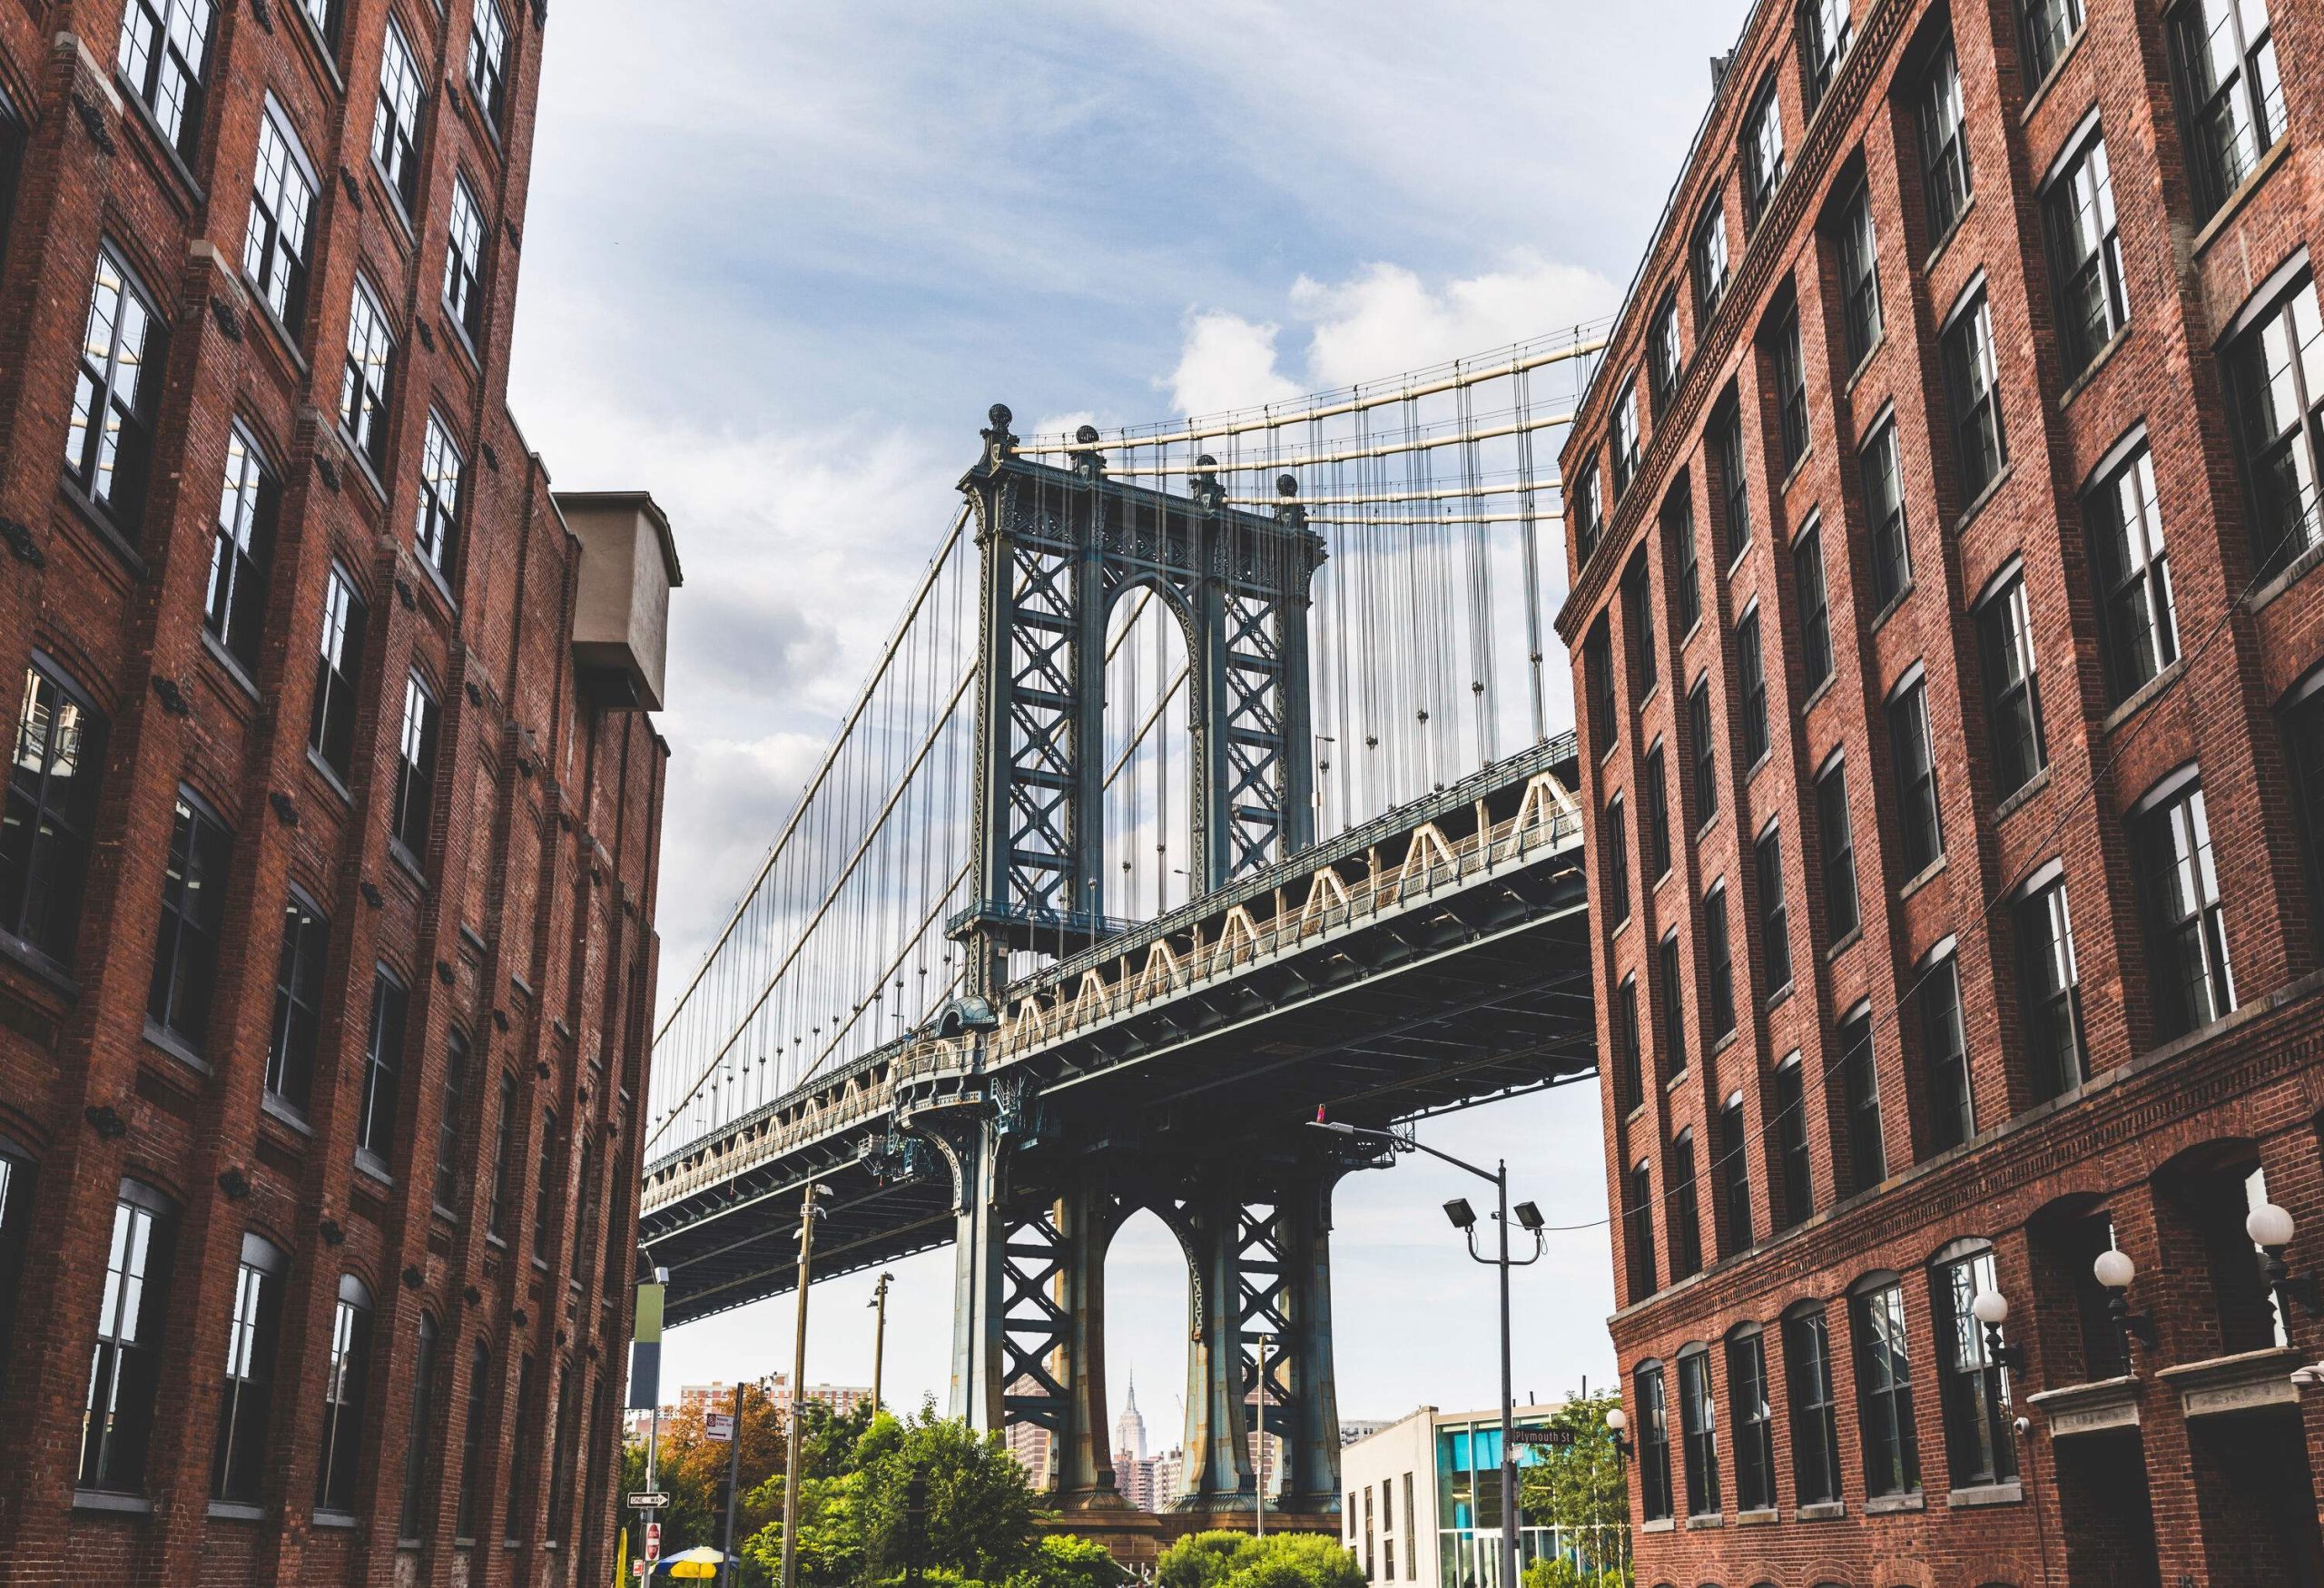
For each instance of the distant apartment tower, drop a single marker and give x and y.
(328, 872)
(1944, 530)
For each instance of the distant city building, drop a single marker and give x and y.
(1166, 1478)
(1421, 1500)
(1129, 1428)
(1029, 1443)
(1354, 1428)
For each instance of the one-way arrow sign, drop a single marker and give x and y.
(648, 1501)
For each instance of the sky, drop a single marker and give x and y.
(778, 260)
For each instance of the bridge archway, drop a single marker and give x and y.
(1148, 807)
(1150, 1348)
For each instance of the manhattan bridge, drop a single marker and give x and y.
(1207, 780)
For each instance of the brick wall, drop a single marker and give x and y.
(525, 924)
(2158, 1125)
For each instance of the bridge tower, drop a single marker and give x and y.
(1057, 548)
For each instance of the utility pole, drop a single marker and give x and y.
(809, 1207)
(1262, 1514)
(879, 1337)
(733, 1470)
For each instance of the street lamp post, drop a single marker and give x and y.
(1464, 1218)
(810, 1205)
(879, 1336)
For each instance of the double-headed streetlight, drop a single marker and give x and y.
(1464, 1219)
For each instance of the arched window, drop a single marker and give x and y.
(417, 1441)
(344, 1380)
(240, 1459)
(125, 1373)
(1698, 1425)
(1884, 1385)
(1972, 1387)
(1653, 1426)
(472, 1442)
(1753, 1420)
(1815, 1429)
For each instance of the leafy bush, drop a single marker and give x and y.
(1237, 1560)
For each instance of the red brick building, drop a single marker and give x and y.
(326, 868)
(1945, 536)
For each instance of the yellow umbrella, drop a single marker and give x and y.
(696, 1564)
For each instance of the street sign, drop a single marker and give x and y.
(1557, 1437)
(653, 1541)
(718, 1425)
(648, 1502)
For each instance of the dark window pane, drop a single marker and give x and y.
(2013, 699)
(1945, 1058)
(1775, 919)
(164, 53)
(242, 552)
(1919, 829)
(2049, 996)
(125, 1374)
(1653, 1422)
(1674, 1009)
(297, 1002)
(1833, 828)
(108, 437)
(415, 768)
(1698, 1425)
(1974, 1388)
(1884, 508)
(345, 1374)
(1815, 1431)
(1706, 751)
(1860, 1087)
(1719, 966)
(2189, 974)
(252, 1330)
(2275, 382)
(1686, 1224)
(1753, 1424)
(1972, 382)
(1791, 1143)
(1654, 810)
(1637, 1230)
(185, 951)
(2087, 254)
(1815, 612)
(1859, 277)
(1884, 1390)
(2138, 619)
(52, 809)
(2231, 98)
(1945, 146)
(1750, 668)
(382, 1060)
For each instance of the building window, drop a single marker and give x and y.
(1706, 751)
(331, 731)
(1754, 1422)
(2047, 27)
(1685, 1217)
(1662, 355)
(1815, 1430)
(474, 1451)
(1674, 1008)
(2192, 981)
(488, 61)
(1833, 829)
(544, 1189)
(1945, 1057)
(436, 529)
(1975, 1388)
(448, 1123)
(2138, 620)
(1734, 479)
(1791, 1143)
(370, 363)
(124, 1377)
(242, 552)
(1884, 1392)
(52, 810)
(1884, 507)
(1708, 254)
(1791, 387)
(519, 1449)
(185, 948)
(1598, 675)
(1582, 512)
(1679, 552)
(1750, 670)
(1628, 1083)
(108, 437)
(1698, 1426)
(1815, 608)
(1823, 29)
(1860, 1089)
(1919, 829)
(298, 1002)
(1719, 965)
(318, 12)
(1614, 843)
(2233, 100)
(1637, 626)
(1945, 146)
(415, 768)
(1775, 919)
(1654, 808)
(395, 127)
(2013, 701)
(341, 1449)
(375, 1131)
(282, 205)
(415, 1452)
(2092, 304)
(502, 1142)
(236, 1470)
(1859, 254)
(1625, 444)
(1653, 1419)
(2049, 993)
(1730, 1150)
(1970, 384)
(463, 261)
(164, 45)
(17, 1178)
(1637, 1229)
(2275, 383)
(1762, 155)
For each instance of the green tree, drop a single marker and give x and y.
(1237, 1560)
(1579, 1489)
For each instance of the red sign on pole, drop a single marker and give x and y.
(653, 1541)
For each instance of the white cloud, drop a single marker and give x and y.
(1226, 361)
(1385, 319)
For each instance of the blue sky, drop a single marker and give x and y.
(779, 259)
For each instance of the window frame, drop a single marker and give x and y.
(139, 65)
(1614, 846)
(1820, 52)
(1973, 1389)
(347, 1368)
(1751, 672)
(1912, 753)
(1719, 961)
(1948, 178)
(1653, 1442)
(367, 383)
(1698, 1431)
(386, 1032)
(2176, 807)
(253, 1332)
(397, 110)
(1944, 1048)
(1703, 737)
(1637, 1231)
(130, 1315)
(1813, 1401)
(1672, 997)
(418, 751)
(1860, 1098)
(242, 551)
(2043, 41)
(45, 814)
(278, 239)
(2088, 290)
(2297, 443)
(1856, 241)
(1683, 1208)
(487, 65)
(1732, 465)
(1837, 858)
(2010, 670)
(1654, 804)
(1885, 1387)
(1788, 351)
(337, 702)
(1973, 394)
(300, 987)
(435, 522)
(188, 935)
(2049, 983)
(465, 258)
(1624, 437)
(113, 479)
(1760, 154)
(1753, 1419)
(1775, 911)
(2218, 169)
(1707, 258)
(1881, 464)
(1666, 361)
(2139, 570)
(1796, 1167)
